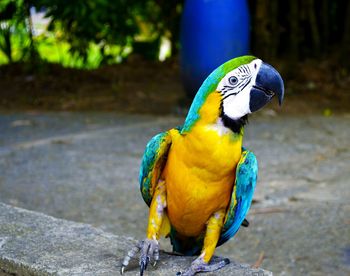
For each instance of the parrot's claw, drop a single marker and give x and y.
(149, 249)
(130, 255)
(198, 265)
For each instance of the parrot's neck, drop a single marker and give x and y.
(212, 116)
(235, 130)
(235, 125)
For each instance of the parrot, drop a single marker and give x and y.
(197, 179)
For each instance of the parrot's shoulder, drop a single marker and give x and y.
(242, 194)
(153, 161)
(158, 143)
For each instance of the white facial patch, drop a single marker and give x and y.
(235, 89)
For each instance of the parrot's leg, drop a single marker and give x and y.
(150, 246)
(211, 238)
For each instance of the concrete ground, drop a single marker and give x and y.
(32, 243)
(84, 167)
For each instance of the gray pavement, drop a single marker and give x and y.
(84, 167)
(32, 243)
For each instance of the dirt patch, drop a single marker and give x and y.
(140, 86)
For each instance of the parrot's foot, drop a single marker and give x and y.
(198, 265)
(149, 250)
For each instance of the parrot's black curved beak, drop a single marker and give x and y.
(268, 84)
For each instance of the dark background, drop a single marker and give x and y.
(108, 53)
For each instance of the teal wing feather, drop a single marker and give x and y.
(153, 162)
(242, 195)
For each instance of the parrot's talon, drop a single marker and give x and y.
(145, 264)
(149, 251)
(131, 253)
(198, 265)
(142, 268)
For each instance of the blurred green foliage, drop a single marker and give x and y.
(82, 23)
(90, 33)
(15, 39)
(87, 33)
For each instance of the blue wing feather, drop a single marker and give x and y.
(242, 195)
(153, 161)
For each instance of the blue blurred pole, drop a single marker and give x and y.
(212, 32)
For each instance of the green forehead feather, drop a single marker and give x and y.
(209, 86)
(234, 63)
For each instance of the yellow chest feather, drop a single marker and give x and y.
(199, 176)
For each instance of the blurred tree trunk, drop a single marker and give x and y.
(33, 54)
(174, 27)
(294, 30)
(261, 33)
(346, 39)
(171, 15)
(5, 43)
(325, 25)
(6, 15)
(315, 35)
(274, 27)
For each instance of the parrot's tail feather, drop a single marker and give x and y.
(188, 246)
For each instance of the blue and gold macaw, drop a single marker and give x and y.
(197, 179)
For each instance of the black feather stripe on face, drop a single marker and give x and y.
(235, 125)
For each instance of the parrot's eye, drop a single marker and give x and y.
(233, 80)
